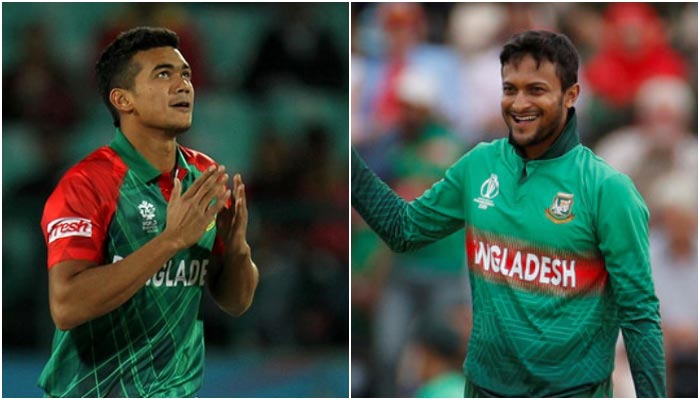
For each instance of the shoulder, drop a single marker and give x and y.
(481, 156)
(490, 150)
(602, 173)
(89, 189)
(609, 186)
(200, 160)
(102, 170)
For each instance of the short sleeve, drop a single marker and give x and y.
(76, 218)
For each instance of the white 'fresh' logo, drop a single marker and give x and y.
(69, 226)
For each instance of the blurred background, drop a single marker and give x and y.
(426, 88)
(271, 85)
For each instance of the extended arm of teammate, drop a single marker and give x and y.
(624, 242)
(80, 290)
(405, 226)
(234, 276)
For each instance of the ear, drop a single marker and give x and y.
(121, 100)
(571, 95)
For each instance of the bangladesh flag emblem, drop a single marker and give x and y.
(560, 210)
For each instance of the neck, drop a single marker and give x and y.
(556, 142)
(537, 150)
(157, 147)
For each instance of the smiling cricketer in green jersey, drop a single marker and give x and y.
(556, 240)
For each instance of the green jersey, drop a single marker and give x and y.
(558, 259)
(103, 209)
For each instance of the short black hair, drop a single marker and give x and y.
(543, 45)
(114, 69)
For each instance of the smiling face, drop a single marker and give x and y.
(162, 96)
(533, 104)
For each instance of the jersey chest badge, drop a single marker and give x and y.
(148, 215)
(560, 210)
(489, 190)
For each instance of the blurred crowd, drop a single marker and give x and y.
(271, 86)
(426, 88)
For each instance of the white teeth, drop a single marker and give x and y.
(528, 118)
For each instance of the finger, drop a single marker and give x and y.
(211, 187)
(219, 202)
(241, 202)
(237, 181)
(177, 190)
(241, 209)
(199, 182)
(228, 209)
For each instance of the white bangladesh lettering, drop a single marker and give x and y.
(526, 266)
(195, 274)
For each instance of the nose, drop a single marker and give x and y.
(183, 85)
(520, 101)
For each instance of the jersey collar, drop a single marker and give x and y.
(135, 160)
(565, 142)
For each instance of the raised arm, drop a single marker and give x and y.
(81, 290)
(234, 276)
(405, 226)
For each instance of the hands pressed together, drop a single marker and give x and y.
(189, 214)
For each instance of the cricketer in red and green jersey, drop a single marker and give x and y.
(558, 264)
(104, 208)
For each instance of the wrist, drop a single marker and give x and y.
(238, 255)
(171, 241)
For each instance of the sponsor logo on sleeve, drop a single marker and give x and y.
(69, 226)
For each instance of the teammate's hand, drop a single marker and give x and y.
(190, 214)
(232, 223)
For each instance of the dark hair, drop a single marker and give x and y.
(543, 45)
(114, 69)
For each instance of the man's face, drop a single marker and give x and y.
(533, 105)
(162, 95)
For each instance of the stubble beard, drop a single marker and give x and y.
(177, 130)
(541, 134)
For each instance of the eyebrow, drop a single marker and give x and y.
(170, 66)
(530, 84)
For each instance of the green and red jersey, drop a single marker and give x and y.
(558, 259)
(103, 209)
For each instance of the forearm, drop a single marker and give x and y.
(645, 351)
(81, 292)
(234, 285)
(381, 208)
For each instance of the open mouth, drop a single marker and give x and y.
(524, 119)
(182, 105)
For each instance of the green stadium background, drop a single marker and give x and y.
(271, 103)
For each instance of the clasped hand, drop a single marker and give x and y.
(189, 214)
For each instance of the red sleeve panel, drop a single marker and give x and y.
(78, 213)
(202, 161)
